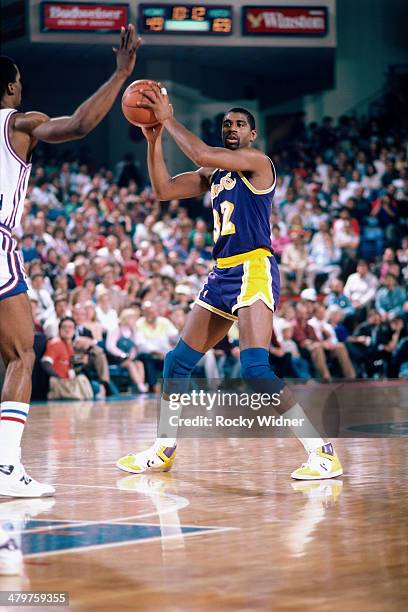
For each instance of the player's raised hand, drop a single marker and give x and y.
(152, 133)
(158, 100)
(126, 53)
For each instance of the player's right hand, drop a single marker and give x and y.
(126, 53)
(152, 133)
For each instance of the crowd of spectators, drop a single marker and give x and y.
(122, 269)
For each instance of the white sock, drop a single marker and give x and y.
(313, 441)
(13, 418)
(167, 432)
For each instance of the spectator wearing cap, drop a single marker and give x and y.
(183, 295)
(308, 297)
(390, 299)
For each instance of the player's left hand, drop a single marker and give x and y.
(127, 50)
(158, 101)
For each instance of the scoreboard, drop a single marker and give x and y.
(185, 19)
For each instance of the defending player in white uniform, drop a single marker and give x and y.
(19, 134)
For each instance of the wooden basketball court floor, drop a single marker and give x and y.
(227, 529)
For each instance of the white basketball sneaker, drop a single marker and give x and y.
(15, 482)
(11, 557)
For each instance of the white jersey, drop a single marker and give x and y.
(14, 176)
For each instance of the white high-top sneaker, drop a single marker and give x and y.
(15, 482)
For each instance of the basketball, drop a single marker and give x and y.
(142, 117)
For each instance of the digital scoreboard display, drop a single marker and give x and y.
(185, 19)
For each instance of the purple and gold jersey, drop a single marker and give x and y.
(245, 270)
(241, 214)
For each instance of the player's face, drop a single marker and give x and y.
(236, 131)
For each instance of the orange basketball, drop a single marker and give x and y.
(142, 117)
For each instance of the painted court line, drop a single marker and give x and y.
(101, 547)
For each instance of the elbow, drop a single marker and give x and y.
(79, 129)
(161, 196)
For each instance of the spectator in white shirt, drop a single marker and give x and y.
(323, 330)
(361, 286)
(110, 252)
(328, 339)
(45, 304)
(155, 337)
(105, 313)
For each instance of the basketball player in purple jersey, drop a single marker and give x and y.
(20, 133)
(243, 285)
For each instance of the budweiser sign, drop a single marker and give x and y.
(285, 21)
(78, 17)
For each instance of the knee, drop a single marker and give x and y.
(175, 366)
(181, 361)
(255, 363)
(29, 358)
(23, 358)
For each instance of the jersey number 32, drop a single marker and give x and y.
(223, 226)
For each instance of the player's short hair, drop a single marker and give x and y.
(8, 73)
(243, 111)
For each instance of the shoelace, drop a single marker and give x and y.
(312, 456)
